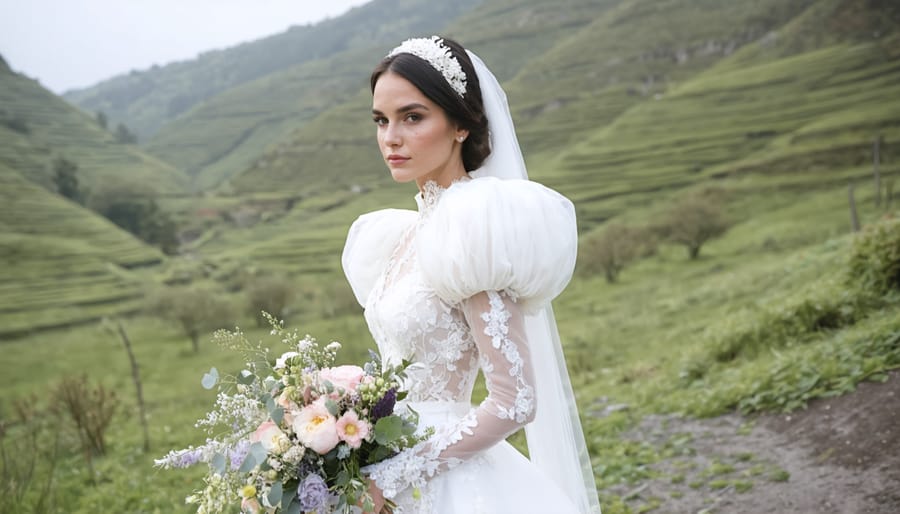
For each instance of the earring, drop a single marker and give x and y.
(461, 138)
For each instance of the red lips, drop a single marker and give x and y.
(396, 159)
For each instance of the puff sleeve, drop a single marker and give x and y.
(370, 242)
(489, 234)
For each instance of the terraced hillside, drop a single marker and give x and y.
(775, 112)
(61, 264)
(38, 126)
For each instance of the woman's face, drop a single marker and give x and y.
(417, 140)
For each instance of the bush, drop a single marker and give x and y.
(612, 250)
(875, 257)
(195, 310)
(271, 294)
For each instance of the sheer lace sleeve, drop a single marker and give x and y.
(497, 325)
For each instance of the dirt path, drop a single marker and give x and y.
(841, 455)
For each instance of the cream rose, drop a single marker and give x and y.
(316, 427)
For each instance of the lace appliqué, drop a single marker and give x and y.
(497, 328)
(413, 466)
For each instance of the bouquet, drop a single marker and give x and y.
(292, 435)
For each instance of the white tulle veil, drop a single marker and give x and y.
(555, 438)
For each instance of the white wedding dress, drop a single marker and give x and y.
(449, 288)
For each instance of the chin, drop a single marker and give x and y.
(401, 177)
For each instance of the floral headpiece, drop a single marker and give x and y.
(433, 51)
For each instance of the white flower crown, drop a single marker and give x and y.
(433, 51)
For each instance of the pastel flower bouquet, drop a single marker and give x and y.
(293, 436)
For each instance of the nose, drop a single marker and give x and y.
(391, 136)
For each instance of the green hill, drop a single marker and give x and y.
(61, 264)
(37, 126)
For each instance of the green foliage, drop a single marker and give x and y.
(875, 257)
(694, 220)
(613, 249)
(142, 217)
(196, 310)
(124, 136)
(65, 178)
(269, 294)
(102, 120)
(14, 122)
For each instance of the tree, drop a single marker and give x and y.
(612, 250)
(195, 310)
(65, 177)
(124, 136)
(268, 293)
(102, 120)
(140, 216)
(694, 220)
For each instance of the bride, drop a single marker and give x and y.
(464, 283)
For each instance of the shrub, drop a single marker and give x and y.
(195, 310)
(875, 257)
(91, 410)
(271, 294)
(612, 250)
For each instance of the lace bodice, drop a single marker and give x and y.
(448, 344)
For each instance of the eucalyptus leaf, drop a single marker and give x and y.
(332, 407)
(287, 497)
(258, 451)
(388, 429)
(248, 464)
(210, 379)
(275, 494)
(218, 463)
(277, 414)
(246, 377)
(293, 508)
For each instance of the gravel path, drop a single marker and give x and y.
(840, 455)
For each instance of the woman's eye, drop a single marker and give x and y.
(380, 120)
(413, 117)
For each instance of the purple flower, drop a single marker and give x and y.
(312, 492)
(385, 406)
(187, 458)
(239, 453)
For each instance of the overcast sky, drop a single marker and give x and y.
(76, 43)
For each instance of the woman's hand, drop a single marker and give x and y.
(377, 498)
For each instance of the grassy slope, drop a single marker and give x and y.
(60, 263)
(56, 128)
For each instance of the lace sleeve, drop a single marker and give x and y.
(497, 326)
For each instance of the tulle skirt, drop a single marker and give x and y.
(500, 480)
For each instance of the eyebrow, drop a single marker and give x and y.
(405, 108)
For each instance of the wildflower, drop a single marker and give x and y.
(351, 429)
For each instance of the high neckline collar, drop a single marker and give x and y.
(431, 193)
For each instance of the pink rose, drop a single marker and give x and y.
(269, 435)
(351, 429)
(343, 377)
(315, 427)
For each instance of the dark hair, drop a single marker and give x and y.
(466, 111)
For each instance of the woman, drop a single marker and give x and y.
(465, 283)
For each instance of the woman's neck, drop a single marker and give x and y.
(445, 178)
